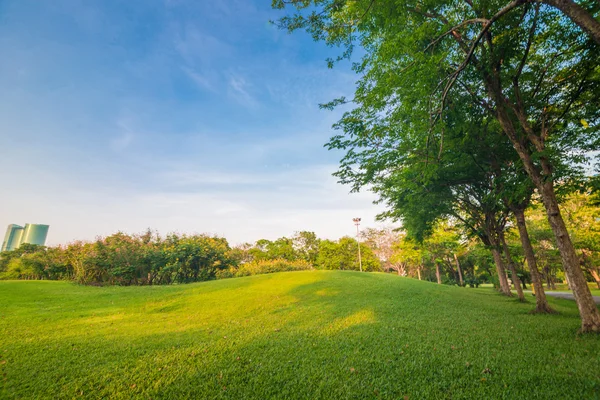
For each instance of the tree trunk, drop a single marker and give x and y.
(549, 279)
(568, 283)
(402, 271)
(595, 275)
(542, 179)
(419, 272)
(590, 316)
(504, 288)
(579, 15)
(511, 265)
(460, 275)
(437, 273)
(541, 303)
(594, 271)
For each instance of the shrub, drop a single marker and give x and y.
(226, 273)
(495, 281)
(264, 267)
(449, 281)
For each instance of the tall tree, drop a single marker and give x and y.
(382, 242)
(343, 255)
(407, 256)
(306, 244)
(525, 64)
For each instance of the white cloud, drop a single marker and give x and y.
(239, 90)
(202, 81)
(122, 141)
(115, 139)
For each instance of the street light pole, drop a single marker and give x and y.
(357, 223)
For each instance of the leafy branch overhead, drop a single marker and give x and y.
(464, 108)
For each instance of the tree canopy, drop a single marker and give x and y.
(439, 82)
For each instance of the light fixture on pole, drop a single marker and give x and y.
(357, 223)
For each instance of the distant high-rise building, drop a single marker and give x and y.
(12, 238)
(17, 235)
(35, 234)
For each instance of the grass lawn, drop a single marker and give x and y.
(308, 335)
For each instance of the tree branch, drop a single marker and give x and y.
(528, 47)
(506, 9)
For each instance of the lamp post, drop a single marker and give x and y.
(357, 223)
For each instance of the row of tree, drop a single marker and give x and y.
(464, 110)
(448, 255)
(321, 253)
(149, 259)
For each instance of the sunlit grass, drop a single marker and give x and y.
(307, 334)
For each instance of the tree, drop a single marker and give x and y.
(460, 183)
(517, 201)
(582, 217)
(544, 244)
(343, 255)
(583, 16)
(382, 242)
(306, 245)
(441, 247)
(408, 256)
(282, 249)
(523, 64)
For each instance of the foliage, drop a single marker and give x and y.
(445, 87)
(382, 242)
(282, 248)
(264, 267)
(303, 246)
(582, 214)
(148, 259)
(343, 255)
(306, 245)
(408, 256)
(122, 259)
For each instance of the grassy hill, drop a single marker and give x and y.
(321, 334)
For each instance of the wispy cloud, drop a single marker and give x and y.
(123, 138)
(193, 117)
(239, 90)
(198, 47)
(121, 142)
(202, 81)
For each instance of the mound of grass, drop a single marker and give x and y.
(310, 334)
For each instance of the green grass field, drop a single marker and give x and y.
(304, 335)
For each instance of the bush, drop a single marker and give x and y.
(449, 281)
(495, 281)
(472, 281)
(226, 273)
(264, 267)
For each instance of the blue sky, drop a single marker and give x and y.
(177, 115)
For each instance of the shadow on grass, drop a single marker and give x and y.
(340, 335)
